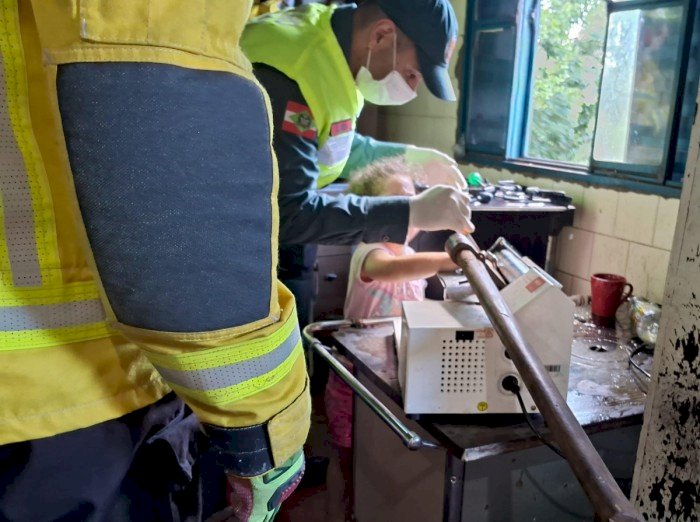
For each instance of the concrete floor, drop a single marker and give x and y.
(309, 504)
(305, 505)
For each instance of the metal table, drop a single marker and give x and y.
(492, 467)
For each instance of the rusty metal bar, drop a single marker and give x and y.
(410, 438)
(609, 502)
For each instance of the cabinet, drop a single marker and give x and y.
(331, 281)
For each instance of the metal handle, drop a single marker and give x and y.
(599, 485)
(410, 438)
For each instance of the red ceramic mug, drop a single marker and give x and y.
(606, 296)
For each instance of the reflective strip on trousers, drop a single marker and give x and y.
(15, 191)
(235, 381)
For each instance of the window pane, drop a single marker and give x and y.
(491, 75)
(638, 86)
(567, 66)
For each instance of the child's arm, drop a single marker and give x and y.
(380, 265)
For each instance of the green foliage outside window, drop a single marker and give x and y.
(568, 64)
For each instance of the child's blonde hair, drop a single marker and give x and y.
(372, 180)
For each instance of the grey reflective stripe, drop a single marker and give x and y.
(232, 374)
(16, 200)
(336, 149)
(46, 317)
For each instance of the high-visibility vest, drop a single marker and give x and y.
(301, 44)
(65, 363)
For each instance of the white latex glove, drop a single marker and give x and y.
(441, 208)
(438, 168)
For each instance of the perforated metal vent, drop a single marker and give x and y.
(462, 364)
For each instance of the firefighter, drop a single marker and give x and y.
(139, 303)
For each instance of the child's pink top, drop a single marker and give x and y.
(377, 298)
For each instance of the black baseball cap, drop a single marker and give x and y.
(432, 27)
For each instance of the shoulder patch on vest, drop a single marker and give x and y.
(298, 120)
(341, 127)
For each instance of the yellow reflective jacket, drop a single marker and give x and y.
(66, 363)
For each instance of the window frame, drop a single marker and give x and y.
(526, 22)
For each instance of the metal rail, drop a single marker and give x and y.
(609, 502)
(410, 438)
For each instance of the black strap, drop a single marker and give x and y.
(244, 452)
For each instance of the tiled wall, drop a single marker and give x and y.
(614, 231)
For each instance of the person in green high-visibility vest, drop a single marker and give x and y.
(319, 64)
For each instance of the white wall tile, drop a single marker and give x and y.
(646, 271)
(580, 286)
(390, 127)
(417, 106)
(574, 248)
(426, 104)
(422, 132)
(444, 135)
(416, 130)
(636, 217)
(597, 211)
(456, 65)
(609, 255)
(666, 223)
(565, 280)
(460, 7)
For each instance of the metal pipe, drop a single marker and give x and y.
(410, 438)
(599, 485)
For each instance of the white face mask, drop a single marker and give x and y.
(390, 90)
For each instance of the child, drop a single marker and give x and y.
(382, 275)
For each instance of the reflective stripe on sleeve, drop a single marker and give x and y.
(234, 370)
(232, 374)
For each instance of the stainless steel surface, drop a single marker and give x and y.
(410, 438)
(599, 346)
(507, 260)
(395, 485)
(595, 479)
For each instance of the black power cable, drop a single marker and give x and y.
(510, 383)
